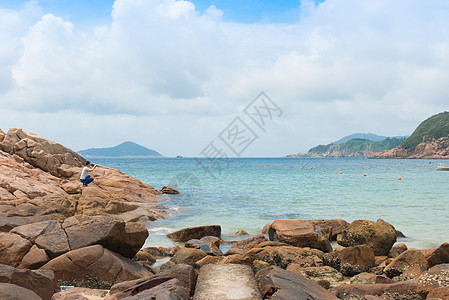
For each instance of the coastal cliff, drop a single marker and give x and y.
(39, 180)
(430, 140)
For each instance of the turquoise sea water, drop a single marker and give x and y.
(247, 193)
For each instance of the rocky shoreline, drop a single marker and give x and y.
(54, 233)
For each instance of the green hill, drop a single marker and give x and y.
(126, 149)
(367, 136)
(435, 127)
(355, 147)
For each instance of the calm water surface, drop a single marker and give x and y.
(247, 193)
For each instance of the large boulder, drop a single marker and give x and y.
(13, 248)
(299, 233)
(39, 282)
(351, 260)
(378, 235)
(435, 277)
(278, 284)
(14, 292)
(439, 256)
(248, 243)
(188, 256)
(284, 255)
(40, 152)
(47, 235)
(95, 262)
(198, 232)
(405, 261)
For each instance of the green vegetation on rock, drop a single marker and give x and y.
(358, 145)
(435, 127)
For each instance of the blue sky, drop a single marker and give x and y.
(99, 11)
(172, 75)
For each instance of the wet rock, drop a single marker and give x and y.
(169, 190)
(13, 248)
(14, 292)
(404, 261)
(351, 260)
(299, 233)
(380, 235)
(40, 283)
(439, 256)
(34, 259)
(329, 274)
(435, 277)
(95, 262)
(285, 255)
(276, 284)
(190, 233)
(241, 232)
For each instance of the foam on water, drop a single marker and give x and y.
(251, 192)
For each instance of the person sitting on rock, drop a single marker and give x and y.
(84, 178)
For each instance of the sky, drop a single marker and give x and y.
(180, 76)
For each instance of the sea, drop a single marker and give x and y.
(248, 193)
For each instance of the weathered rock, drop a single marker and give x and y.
(160, 252)
(404, 261)
(144, 256)
(35, 281)
(185, 275)
(34, 259)
(72, 187)
(279, 284)
(397, 249)
(190, 233)
(188, 256)
(285, 255)
(370, 278)
(299, 233)
(209, 244)
(169, 190)
(439, 293)
(398, 290)
(378, 235)
(39, 152)
(171, 289)
(439, 256)
(14, 292)
(79, 293)
(435, 277)
(108, 231)
(351, 260)
(229, 281)
(249, 243)
(47, 235)
(96, 262)
(13, 248)
(332, 276)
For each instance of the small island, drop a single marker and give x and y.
(124, 150)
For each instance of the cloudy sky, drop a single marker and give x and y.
(172, 75)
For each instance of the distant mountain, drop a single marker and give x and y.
(429, 140)
(366, 136)
(355, 147)
(126, 149)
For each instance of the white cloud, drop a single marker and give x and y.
(344, 67)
